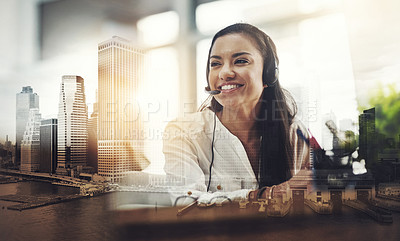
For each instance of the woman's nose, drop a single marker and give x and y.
(226, 72)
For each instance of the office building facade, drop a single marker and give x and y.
(72, 125)
(48, 145)
(30, 144)
(367, 137)
(92, 139)
(120, 70)
(25, 100)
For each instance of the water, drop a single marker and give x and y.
(81, 219)
(75, 220)
(91, 219)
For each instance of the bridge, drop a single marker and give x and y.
(86, 188)
(45, 177)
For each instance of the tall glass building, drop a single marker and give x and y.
(30, 144)
(48, 145)
(92, 139)
(26, 100)
(120, 70)
(72, 133)
(367, 138)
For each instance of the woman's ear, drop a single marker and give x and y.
(265, 86)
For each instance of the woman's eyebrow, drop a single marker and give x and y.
(215, 57)
(233, 55)
(240, 53)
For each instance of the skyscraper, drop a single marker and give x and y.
(26, 100)
(92, 138)
(30, 144)
(72, 125)
(48, 145)
(367, 137)
(120, 149)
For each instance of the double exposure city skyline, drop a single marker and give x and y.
(88, 88)
(122, 74)
(112, 150)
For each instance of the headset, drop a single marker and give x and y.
(271, 75)
(212, 152)
(270, 79)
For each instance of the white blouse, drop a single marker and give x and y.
(188, 155)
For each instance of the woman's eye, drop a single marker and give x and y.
(241, 61)
(213, 64)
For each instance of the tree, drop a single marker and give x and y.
(387, 111)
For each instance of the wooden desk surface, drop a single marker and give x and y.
(159, 223)
(163, 215)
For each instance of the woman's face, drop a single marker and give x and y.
(236, 68)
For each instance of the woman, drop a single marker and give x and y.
(248, 137)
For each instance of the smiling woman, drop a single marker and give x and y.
(235, 69)
(247, 136)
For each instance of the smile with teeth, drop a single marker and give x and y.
(230, 87)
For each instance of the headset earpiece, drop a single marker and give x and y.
(276, 74)
(271, 75)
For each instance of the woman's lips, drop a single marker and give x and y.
(229, 87)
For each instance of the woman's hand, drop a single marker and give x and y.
(275, 192)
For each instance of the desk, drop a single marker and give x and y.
(229, 222)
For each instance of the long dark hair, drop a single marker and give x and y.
(278, 109)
